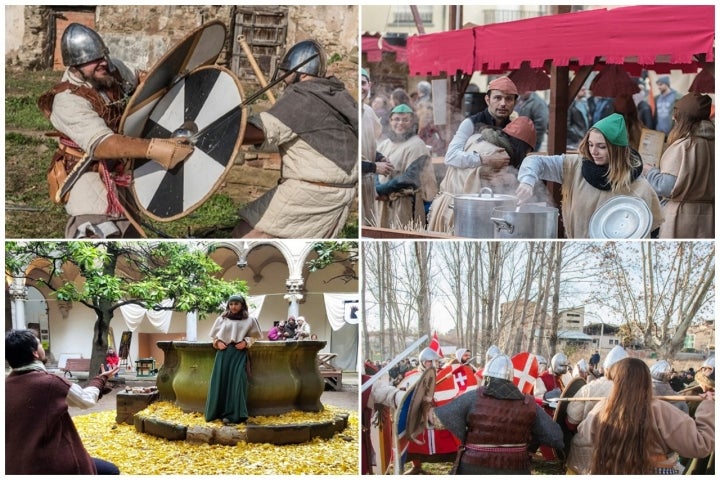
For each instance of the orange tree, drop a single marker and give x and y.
(117, 273)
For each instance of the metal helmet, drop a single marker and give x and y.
(559, 363)
(500, 367)
(580, 368)
(81, 44)
(300, 52)
(661, 371)
(541, 360)
(428, 354)
(491, 353)
(615, 355)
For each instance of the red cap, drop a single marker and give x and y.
(504, 84)
(523, 129)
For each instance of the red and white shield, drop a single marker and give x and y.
(526, 371)
(454, 380)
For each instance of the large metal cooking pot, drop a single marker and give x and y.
(472, 212)
(525, 221)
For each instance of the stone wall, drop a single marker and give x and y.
(140, 35)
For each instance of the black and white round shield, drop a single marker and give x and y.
(205, 106)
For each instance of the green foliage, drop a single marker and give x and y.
(333, 252)
(150, 273)
(213, 219)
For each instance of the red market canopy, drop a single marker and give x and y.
(374, 46)
(657, 38)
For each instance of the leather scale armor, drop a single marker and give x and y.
(496, 421)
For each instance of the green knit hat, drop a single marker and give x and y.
(402, 108)
(614, 129)
(365, 73)
(236, 297)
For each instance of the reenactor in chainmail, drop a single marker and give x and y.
(497, 424)
(660, 373)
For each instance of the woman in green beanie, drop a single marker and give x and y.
(232, 333)
(605, 167)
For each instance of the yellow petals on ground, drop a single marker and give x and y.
(141, 454)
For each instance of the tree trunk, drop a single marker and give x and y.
(423, 259)
(366, 337)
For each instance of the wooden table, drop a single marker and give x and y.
(331, 374)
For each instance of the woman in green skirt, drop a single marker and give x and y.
(232, 333)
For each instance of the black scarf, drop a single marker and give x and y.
(241, 315)
(597, 175)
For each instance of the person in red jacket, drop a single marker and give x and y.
(40, 436)
(112, 359)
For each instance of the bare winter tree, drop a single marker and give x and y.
(399, 278)
(660, 289)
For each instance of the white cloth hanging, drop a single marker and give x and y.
(335, 306)
(134, 314)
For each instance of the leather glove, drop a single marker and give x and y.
(168, 152)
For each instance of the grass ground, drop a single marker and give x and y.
(29, 213)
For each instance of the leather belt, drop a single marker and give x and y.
(514, 448)
(71, 150)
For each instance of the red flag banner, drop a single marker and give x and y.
(435, 344)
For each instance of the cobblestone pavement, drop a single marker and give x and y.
(346, 399)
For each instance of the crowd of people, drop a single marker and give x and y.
(619, 421)
(498, 147)
(292, 329)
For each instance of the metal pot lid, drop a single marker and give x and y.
(487, 195)
(621, 217)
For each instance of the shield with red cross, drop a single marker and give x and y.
(454, 380)
(526, 371)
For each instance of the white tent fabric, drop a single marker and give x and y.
(134, 314)
(335, 309)
(345, 341)
(343, 319)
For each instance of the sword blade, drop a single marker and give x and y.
(235, 112)
(392, 363)
(77, 171)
